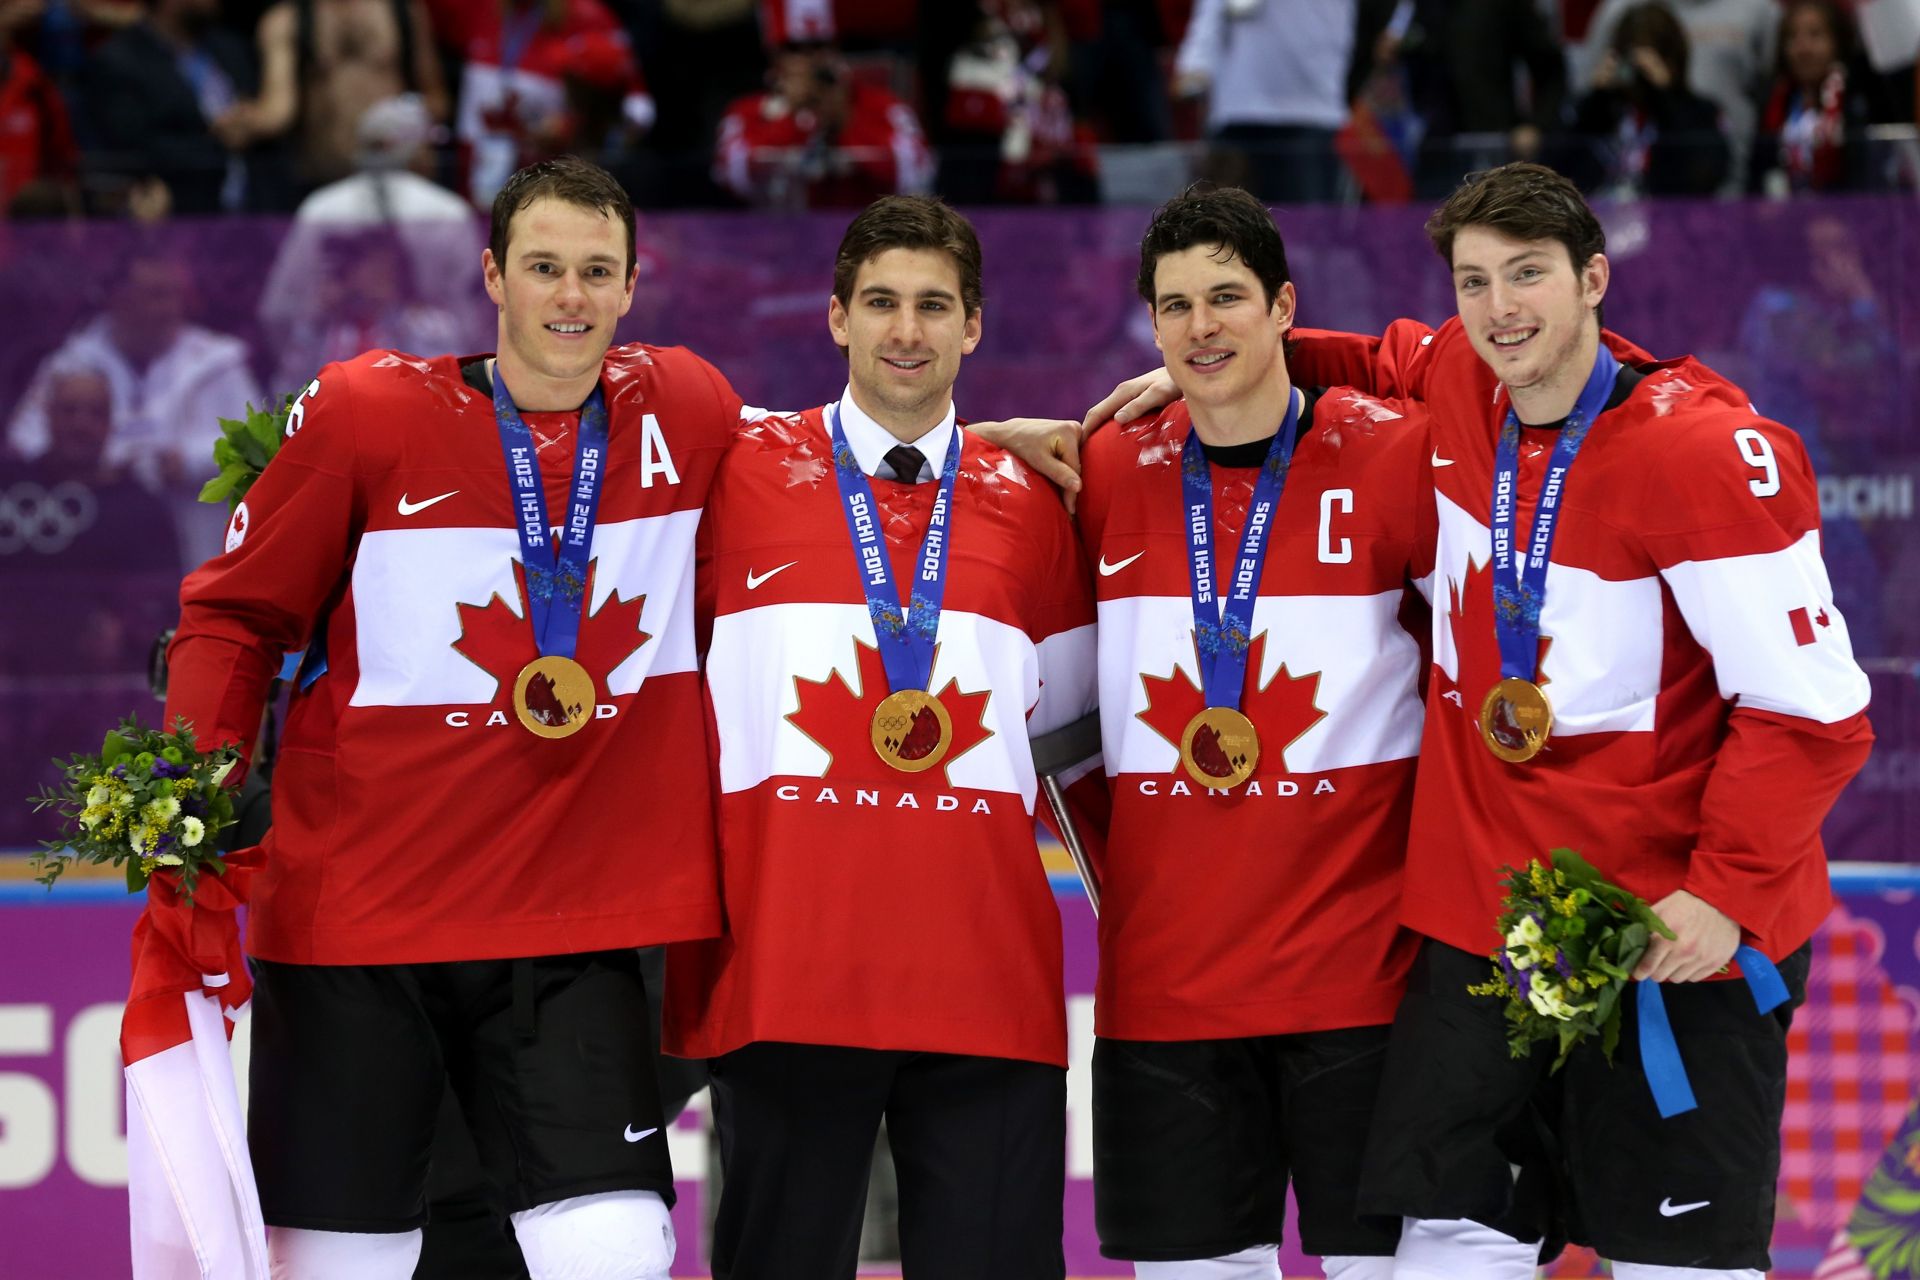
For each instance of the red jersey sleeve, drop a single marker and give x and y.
(1735, 535)
(287, 553)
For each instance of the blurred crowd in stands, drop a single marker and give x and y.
(131, 324)
(156, 107)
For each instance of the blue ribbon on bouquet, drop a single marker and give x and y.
(1660, 1056)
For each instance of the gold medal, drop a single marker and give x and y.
(554, 696)
(1515, 719)
(1220, 748)
(911, 730)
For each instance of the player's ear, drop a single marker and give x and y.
(970, 335)
(837, 322)
(1284, 302)
(1594, 278)
(490, 272)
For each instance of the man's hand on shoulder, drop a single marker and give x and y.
(1134, 398)
(1050, 446)
(1703, 943)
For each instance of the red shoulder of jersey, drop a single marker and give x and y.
(1723, 480)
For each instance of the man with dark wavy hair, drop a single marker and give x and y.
(1261, 549)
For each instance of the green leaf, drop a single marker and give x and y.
(114, 747)
(136, 878)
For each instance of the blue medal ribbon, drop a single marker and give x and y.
(905, 636)
(556, 577)
(1221, 637)
(1516, 604)
(1660, 1055)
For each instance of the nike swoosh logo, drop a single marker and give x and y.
(1108, 570)
(755, 580)
(1668, 1209)
(415, 508)
(1439, 461)
(631, 1136)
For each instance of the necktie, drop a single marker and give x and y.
(906, 462)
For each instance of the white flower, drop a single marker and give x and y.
(168, 860)
(1544, 995)
(162, 811)
(191, 831)
(123, 800)
(137, 838)
(1525, 934)
(98, 795)
(220, 774)
(92, 818)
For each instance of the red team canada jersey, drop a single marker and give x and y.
(1269, 908)
(415, 819)
(1707, 707)
(866, 906)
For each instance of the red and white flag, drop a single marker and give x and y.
(194, 1211)
(1803, 621)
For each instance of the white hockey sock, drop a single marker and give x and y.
(296, 1254)
(615, 1235)
(1648, 1271)
(1357, 1267)
(1454, 1248)
(1262, 1262)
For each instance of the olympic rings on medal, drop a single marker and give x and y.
(36, 518)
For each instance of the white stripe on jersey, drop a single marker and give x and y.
(758, 655)
(1603, 668)
(1738, 608)
(1367, 663)
(1066, 685)
(407, 582)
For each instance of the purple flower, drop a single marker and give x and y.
(1560, 964)
(193, 806)
(119, 771)
(165, 841)
(160, 769)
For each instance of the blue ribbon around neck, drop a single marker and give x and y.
(1221, 636)
(905, 636)
(556, 581)
(1516, 604)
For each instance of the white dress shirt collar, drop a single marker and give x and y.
(870, 441)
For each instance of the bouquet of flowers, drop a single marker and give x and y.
(148, 800)
(1572, 940)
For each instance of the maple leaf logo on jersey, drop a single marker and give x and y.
(1476, 649)
(500, 642)
(840, 721)
(1281, 710)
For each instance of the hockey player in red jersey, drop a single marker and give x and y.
(892, 606)
(460, 866)
(1706, 711)
(1261, 548)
